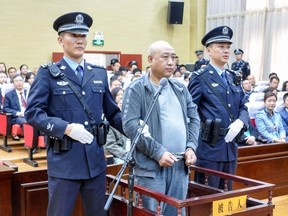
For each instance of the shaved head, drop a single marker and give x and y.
(158, 45)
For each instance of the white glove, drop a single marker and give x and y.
(79, 133)
(145, 130)
(234, 129)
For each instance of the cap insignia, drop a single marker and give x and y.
(79, 19)
(225, 31)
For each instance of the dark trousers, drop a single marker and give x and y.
(63, 194)
(214, 181)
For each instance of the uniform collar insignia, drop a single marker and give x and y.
(62, 83)
(97, 81)
(214, 84)
(89, 67)
(63, 67)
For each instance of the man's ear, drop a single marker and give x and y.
(150, 58)
(60, 40)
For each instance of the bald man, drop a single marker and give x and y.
(170, 139)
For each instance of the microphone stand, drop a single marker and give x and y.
(130, 160)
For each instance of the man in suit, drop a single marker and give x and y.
(220, 106)
(75, 157)
(15, 103)
(240, 65)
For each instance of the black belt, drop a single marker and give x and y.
(222, 131)
(92, 130)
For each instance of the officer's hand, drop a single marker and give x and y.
(167, 160)
(79, 133)
(145, 130)
(234, 129)
(190, 157)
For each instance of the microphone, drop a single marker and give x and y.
(163, 82)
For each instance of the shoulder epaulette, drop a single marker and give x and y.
(95, 66)
(233, 72)
(44, 66)
(199, 72)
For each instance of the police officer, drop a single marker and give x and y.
(54, 108)
(220, 106)
(201, 60)
(239, 65)
(115, 64)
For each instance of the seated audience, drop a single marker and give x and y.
(12, 71)
(284, 113)
(274, 82)
(272, 74)
(252, 81)
(246, 86)
(30, 78)
(2, 67)
(132, 65)
(182, 68)
(15, 102)
(117, 144)
(137, 71)
(270, 89)
(269, 123)
(24, 70)
(177, 73)
(285, 86)
(117, 94)
(3, 78)
(115, 82)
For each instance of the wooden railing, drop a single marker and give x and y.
(200, 197)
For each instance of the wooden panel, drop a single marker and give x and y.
(126, 58)
(5, 189)
(268, 163)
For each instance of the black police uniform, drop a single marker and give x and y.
(241, 66)
(52, 105)
(204, 85)
(199, 63)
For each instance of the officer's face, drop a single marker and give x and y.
(238, 57)
(116, 66)
(163, 62)
(219, 53)
(200, 56)
(73, 45)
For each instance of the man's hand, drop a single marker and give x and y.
(167, 160)
(79, 133)
(250, 140)
(190, 157)
(234, 129)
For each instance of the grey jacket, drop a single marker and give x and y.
(149, 150)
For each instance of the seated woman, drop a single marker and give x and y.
(269, 123)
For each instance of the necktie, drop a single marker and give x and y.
(79, 73)
(23, 102)
(223, 76)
